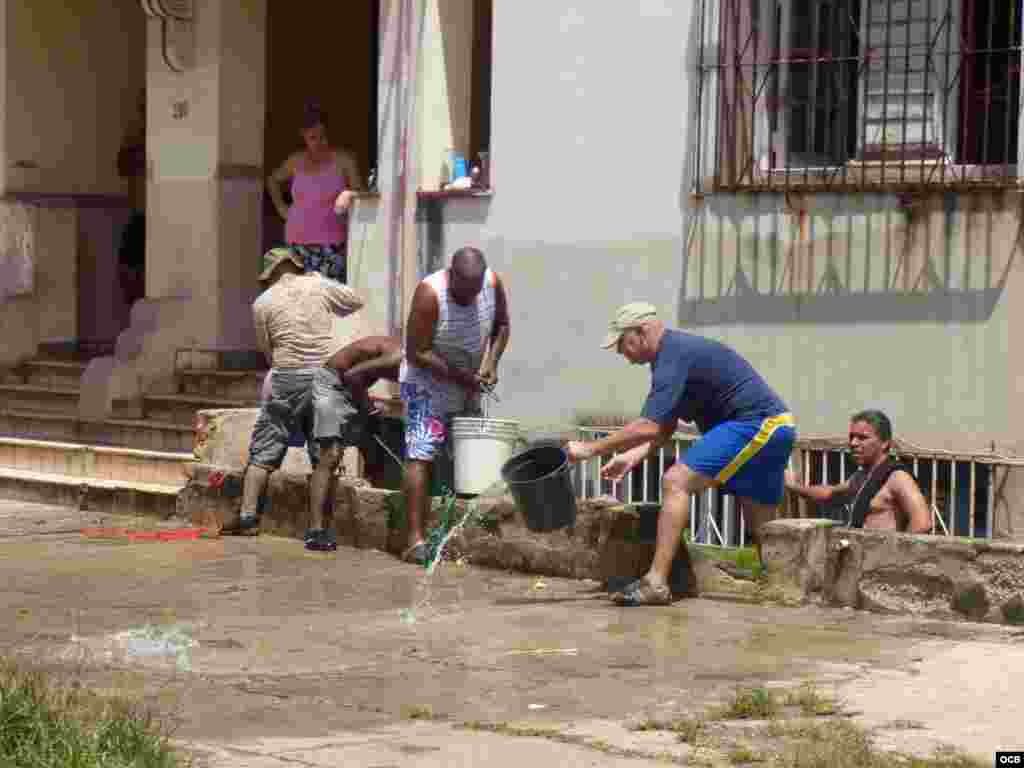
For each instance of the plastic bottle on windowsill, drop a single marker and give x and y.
(460, 167)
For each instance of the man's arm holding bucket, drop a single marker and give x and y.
(632, 443)
(498, 340)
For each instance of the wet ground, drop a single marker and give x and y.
(355, 658)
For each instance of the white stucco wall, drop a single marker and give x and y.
(861, 302)
(590, 116)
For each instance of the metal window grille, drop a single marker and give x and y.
(858, 93)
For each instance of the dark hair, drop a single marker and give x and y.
(313, 115)
(878, 420)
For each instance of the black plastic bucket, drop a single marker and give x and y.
(539, 479)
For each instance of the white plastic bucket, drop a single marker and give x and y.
(480, 448)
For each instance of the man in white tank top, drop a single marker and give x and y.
(457, 332)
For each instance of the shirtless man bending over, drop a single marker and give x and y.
(342, 416)
(882, 494)
(366, 360)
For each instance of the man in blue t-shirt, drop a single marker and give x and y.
(747, 433)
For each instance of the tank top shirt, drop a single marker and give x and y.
(460, 338)
(312, 220)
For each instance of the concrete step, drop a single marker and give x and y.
(219, 359)
(112, 497)
(181, 409)
(222, 385)
(53, 374)
(95, 461)
(140, 434)
(39, 398)
(80, 351)
(39, 425)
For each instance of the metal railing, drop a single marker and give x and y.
(961, 489)
(715, 518)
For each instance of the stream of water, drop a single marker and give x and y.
(422, 605)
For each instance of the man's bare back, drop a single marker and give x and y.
(368, 359)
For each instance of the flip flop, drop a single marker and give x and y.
(642, 592)
(318, 540)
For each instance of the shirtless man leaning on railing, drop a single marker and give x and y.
(882, 494)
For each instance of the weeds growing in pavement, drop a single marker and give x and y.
(811, 702)
(749, 704)
(49, 723)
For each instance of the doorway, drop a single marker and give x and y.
(326, 53)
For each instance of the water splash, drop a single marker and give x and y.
(473, 514)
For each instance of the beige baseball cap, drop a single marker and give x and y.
(275, 256)
(628, 316)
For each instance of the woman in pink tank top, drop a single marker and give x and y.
(322, 183)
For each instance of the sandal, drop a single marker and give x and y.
(319, 540)
(642, 592)
(416, 554)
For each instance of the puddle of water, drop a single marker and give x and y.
(782, 640)
(667, 633)
(618, 629)
(168, 643)
(159, 642)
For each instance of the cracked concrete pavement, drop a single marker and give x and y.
(355, 658)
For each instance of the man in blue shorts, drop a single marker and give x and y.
(747, 433)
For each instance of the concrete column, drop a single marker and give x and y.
(203, 204)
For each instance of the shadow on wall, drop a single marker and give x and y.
(444, 226)
(774, 258)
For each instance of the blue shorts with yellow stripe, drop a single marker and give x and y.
(746, 458)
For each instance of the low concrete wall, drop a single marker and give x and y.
(222, 439)
(607, 540)
(931, 576)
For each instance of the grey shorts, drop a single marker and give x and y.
(287, 409)
(336, 414)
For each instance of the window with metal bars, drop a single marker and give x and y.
(859, 92)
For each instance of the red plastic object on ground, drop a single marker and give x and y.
(171, 534)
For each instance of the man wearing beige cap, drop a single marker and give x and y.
(747, 433)
(294, 320)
